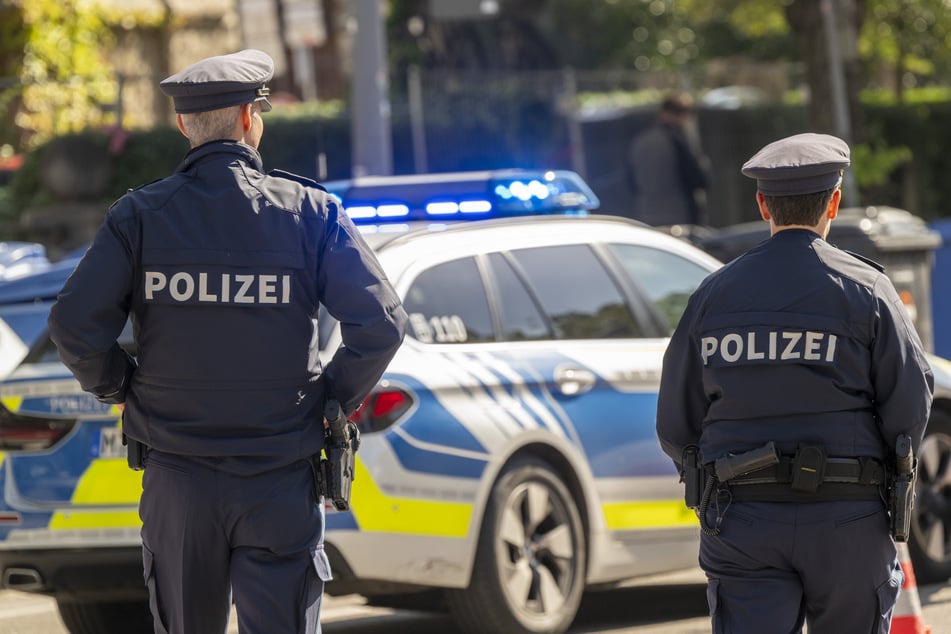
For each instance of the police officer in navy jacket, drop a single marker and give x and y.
(808, 346)
(221, 268)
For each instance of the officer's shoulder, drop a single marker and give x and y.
(854, 266)
(297, 178)
(861, 258)
(135, 196)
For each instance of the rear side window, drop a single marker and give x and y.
(668, 279)
(520, 317)
(448, 304)
(577, 293)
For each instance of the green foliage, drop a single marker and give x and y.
(620, 98)
(25, 186)
(924, 95)
(908, 41)
(924, 128)
(652, 35)
(873, 165)
(59, 56)
(147, 155)
(317, 108)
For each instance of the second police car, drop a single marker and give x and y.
(508, 456)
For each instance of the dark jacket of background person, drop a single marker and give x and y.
(664, 172)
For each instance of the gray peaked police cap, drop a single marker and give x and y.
(800, 164)
(222, 81)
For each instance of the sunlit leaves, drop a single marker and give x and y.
(64, 77)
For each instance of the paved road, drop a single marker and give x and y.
(671, 605)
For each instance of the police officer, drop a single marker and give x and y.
(221, 268)
(799, 361)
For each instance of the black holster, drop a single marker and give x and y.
(901, 489)
(692, 475)
(136, 453)
(336, 467)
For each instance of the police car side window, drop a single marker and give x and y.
(448, 304)
(577, 292)
(667, 278)
(521, 318)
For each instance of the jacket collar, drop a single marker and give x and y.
(222, 149)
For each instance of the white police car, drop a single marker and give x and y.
(509, 458)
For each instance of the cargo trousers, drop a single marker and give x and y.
(777, 565)
(210, 537)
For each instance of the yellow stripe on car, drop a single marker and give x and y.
(12, 403)
(377, 512)
(642, 515)
(65, 520)
(106, 481)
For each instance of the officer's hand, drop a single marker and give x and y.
(120, 407)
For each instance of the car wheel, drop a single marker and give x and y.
(95, 617)
(529, 572)
(930, 544)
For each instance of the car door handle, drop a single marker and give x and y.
(573, 381)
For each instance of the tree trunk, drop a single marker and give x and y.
(806, 20)
(328, 58)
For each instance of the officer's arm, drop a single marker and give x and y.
(355, 290)
(901, 374)
(681, 402)
(90, 313)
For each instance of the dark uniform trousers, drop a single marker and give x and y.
(209, 533)
(772, 560)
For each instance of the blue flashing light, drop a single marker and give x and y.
(475, 206)
(442, 208)
(392, 211)
(361, 211)
(464, 195)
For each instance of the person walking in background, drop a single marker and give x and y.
(791, 381)
(666, 175)
(222, 268)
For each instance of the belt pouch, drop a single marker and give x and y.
(808, 467)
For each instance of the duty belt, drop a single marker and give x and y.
(845, 470)
(834, 479)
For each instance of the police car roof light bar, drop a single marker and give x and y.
(463, 195)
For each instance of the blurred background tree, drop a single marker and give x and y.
(56, 50)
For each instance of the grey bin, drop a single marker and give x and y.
(895, 238)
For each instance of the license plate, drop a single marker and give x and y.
(110, 444)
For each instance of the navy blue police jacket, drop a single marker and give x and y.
(221, 269)
(797, 342)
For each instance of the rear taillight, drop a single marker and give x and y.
(383, 407)
(31, 433)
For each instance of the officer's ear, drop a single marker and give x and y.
(181, 125)
(247, 112)
(763, 210)
(833, 209)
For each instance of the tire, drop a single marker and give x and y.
(96, 617)
(930, 543)
(529, 571)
